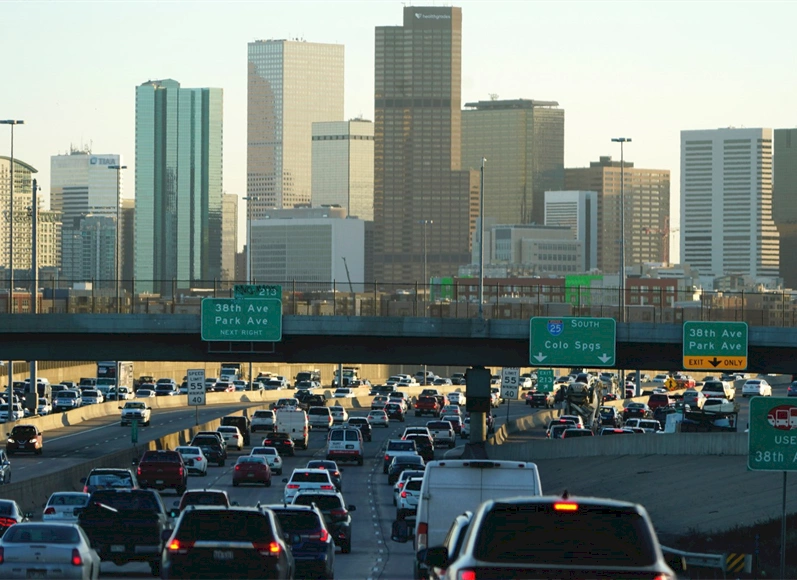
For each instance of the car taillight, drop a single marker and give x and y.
(181, 472)
(270, 549)
(336, 473)
(400, 484)
(387, 457)
(292, 486)
(76, 559)
(565, 506)
(322, 536)
(138, 471)
(327, 487)
(237, 468)
(7, 522)
(338, 512)
(466, 575)
(49, 511)
(403, 494)
(2, 556)
(422, 537)
(181, 547)
(85, 489)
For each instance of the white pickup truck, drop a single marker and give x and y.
(136, 410)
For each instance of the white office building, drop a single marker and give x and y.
(726, 203)
(577, 210)
(343, 166)
(82, 183)
(311, 247)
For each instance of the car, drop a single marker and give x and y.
(457, 398)
(465, 429)
(337, 514)
(64, 506)
(281, 441)
(609, 397)
(646, 425)
(559, 422)
(378, 417)
(195, 461)
(401, 401)
(756, 387)
(558, 431)
(379, 402)
(212, 448)
(694, 398)
(262, 420)
(339, 414)
(43, 406)
(407, 503)
(232, 436)
(311, 543)
(109, 478)
(240, 385)
(397, 447)
(345, 444)
(451, 410)
(577, 419)
(660, 379)
(453, 544)
(251, 469)
(135, 411)
(458, 378)
(272, 457)
(162, 469)
(719, 389)
(92, 397)
(400, 463)
(609, 416)
(416, 430)
(442, 433)
(243, 424)
(307, 479)
(343, 392)
(47, 550)
(584, 538)
(442, 382)
(714, 405)
(169, 389)
(660, 400)
(145, 394)
(363, 425)
(10, 514)
(320, 417)
(792, 390)
(405, 475)
(24, 439)
(571, 432)
(334, 471)
(395, 411)
(227, 542)
(638, 410)
(201, 497)
(424, 445)
(285, 403)
(456, 422)
(223, 387)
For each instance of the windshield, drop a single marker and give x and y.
(232, 525)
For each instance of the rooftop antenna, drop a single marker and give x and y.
(493, 96)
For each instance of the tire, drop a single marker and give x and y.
(268, 483)
(346, 547)
(360, 461)
(279, 472)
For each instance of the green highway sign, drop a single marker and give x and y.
(715, 345)
(772, 437)
(257, 291)
(572, 341)
(244, 319)
(544, 380)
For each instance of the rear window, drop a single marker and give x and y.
(324, 502)
(713, 386)
(297, 521)
(233, 526)
(79, 500)
(439, 425)
(599, 535)
(205, 442)
(43, 534)
(264, 414)
(318, 411)
(161, 457)
(309, 477)
(110, 480)
(127, 501)
(401, 446)
(659, 398)
(414, 484)
(204, 498)
(427, 400)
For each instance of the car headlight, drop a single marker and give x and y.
(11, 440)
(33, 441)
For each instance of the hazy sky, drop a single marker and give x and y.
(644, 70)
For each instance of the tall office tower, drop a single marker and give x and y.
(23, 176)
(524, 143)
(784, 202)
(726, 203)
(229, 236)
(647, 211)
(292, 84)
(425, 206)
(83, 184)
(343, 166)
(178, 186)
(577, 210)
(127, 243)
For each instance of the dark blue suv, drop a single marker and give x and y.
(312, 545)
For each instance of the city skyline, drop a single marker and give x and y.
(642, 84)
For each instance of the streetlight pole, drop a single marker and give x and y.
(425, 277)
(117, 257)
(13, 123)
(481, 240)
(622, 141)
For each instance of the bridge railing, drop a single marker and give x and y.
(520, 299)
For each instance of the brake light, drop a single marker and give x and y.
(237, 468)
(2, 556)
(338, 512)
(322, 536)
(7, 522)
(181, 472)
(180, 547)
(387, 457)
(565, 506)
(466, 575)
(85, 489)
(327, 487)
(138, 471)
(336, 473)
(292, 486)
(422, 537)
(400, 484)
(76, 559)
(270, 549)
(403, 494)
(49, 511)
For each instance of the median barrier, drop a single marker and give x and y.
(32, 494)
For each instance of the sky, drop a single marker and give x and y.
(642, 70)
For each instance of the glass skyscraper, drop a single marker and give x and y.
(178, 186)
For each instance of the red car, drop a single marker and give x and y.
(251, 469)
(282, 442)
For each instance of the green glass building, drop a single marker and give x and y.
(178, 186)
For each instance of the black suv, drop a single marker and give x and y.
(610, 417)
(401, 463)
(311, 543)
(211, 447)
(424, 445)
(220, 542)
(363, 425)
(243, 424)
(337, 514)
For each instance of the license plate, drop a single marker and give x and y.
(349, 446)
(158, 481)
(222, 554)
(117, 548)
(250, 475)
(36, 574)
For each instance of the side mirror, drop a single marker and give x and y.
(352, 508)
(435, 557)
(166, 534)
(173, 513)
(149, 408)
(28, 515)
(134, 462)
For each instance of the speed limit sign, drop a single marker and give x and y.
(510, 383)
(196, 386)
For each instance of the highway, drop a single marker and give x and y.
(373, 554)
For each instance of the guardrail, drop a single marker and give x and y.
(690, 561)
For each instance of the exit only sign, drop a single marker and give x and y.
(715, 345)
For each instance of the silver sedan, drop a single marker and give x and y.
(48, 550)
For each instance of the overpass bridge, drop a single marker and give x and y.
(362, 339)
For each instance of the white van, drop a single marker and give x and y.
(345, 444)
(294, 422)
(451, 487)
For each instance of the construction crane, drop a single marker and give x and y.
(665, 236)
(345, 265)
